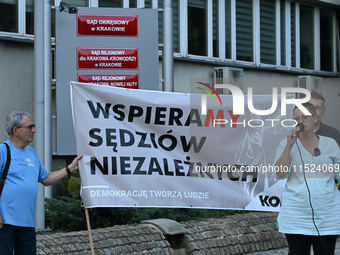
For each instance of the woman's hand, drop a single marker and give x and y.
(284, 160)
(291, 138)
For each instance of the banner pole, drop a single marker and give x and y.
(89, 229)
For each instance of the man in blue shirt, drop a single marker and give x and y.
(18, 198)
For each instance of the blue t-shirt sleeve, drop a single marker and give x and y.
(43, 173)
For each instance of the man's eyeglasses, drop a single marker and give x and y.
(30, 127)
(304, 117)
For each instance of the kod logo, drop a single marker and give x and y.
(238, 99)
(268, 201)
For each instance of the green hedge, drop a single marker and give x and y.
(66, 213)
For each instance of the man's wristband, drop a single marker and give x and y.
(68, 171)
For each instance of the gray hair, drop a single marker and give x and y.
(15, 120)
(317, 95)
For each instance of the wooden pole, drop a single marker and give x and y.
(89, 229)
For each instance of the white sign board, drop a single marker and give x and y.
(155, 149)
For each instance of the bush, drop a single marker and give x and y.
(72, 184)
(66, 214)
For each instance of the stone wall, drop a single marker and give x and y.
(237, 234)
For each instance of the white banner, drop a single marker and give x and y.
(157, 149)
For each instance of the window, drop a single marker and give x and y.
(292, 33)
(235, 31)
(53, 21)
(283, 31)
(30, 17)
(197, 27)
(267, 32)
(228, 29)
(82, 3)
(110, 3)
(133, 3)
(175, 24)
(9, 16)
(244, 30)
(215, 28)
(160, 24)
(326, 40)
(148, 3)
(306, 37)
